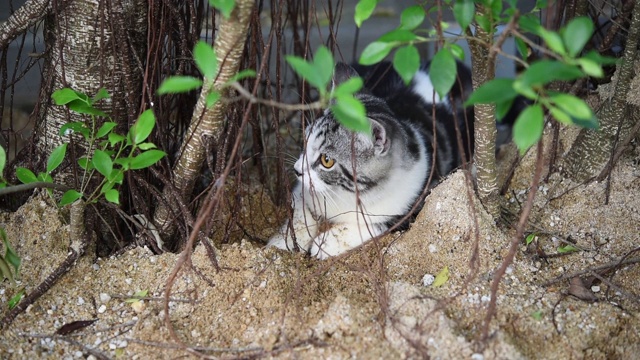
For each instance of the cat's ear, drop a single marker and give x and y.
(381, 142)
(342, 73)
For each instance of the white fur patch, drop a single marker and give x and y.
(423, 87)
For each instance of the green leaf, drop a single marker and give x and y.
(442, 277)
(212, 98)
(69, 197)
(591, 123)
(502, 109)
(311, 72)
(591, 67)
(25, 175)
(442, 72)
(463, 12)
(115, 138)
(3, 160)
(553, 41)
(348, 87)
(112, 196)
(45, 178)
(81, 107)
(485, 23)
(567, 249)
(375, 52)
(603, 60)
(323, 64)
(530, 23)
(102, 162)
(544, 71)
(10, 256)
(495, 91)
(74, 127)
(412, 17)
(457, 51)
(523, 49)
(179, 84)
(398, 35)
(247, 73)
(205, 57)
(143, 127)
(530, 238)
(528, 127)
(576, 34)
(56, 157)
(146, 159)
(84, 163)
(67, 95)
(101, 94)
(15, 299)
(406, 62)
(364, 9)
(573, 106)
(105, 128)
(537, 315)
(351, 113)
(224, 6)
(560, 115)
(146, 146)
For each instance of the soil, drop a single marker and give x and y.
(374, 302)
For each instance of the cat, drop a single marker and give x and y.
(355, 186)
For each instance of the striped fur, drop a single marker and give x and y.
(362, 184)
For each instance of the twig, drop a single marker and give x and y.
(30, 186)
(495, 284)
(289, 107)
(607, 266)
(91, 351)
(79, 243)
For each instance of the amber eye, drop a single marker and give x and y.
(327, 161)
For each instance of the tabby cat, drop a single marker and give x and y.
(355, 186)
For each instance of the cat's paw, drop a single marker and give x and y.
(327, 245)
(278, 241)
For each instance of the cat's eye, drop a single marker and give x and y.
(327, 161)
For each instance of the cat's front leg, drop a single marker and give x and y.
(342, 238)
(304, 225)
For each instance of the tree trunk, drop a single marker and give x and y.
(92, 44)
(229, 46)
(592, 149)
(483, 70)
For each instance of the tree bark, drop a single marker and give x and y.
(92, 44)
(483, 70)
(229, 46)
(592, 149)
(28, 14)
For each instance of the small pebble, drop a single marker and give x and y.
(104, 298)
(428, 279)
(95, 267)
(102, 309)
(595, 288)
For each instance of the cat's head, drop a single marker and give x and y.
(337, 160)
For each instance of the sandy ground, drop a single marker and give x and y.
(371, 303)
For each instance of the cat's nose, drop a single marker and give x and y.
(298, 173)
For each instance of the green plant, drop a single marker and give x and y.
(110, 154)
(563, 47)
(206, 61)
(348, 110)
(9, 261)
(566, 46)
